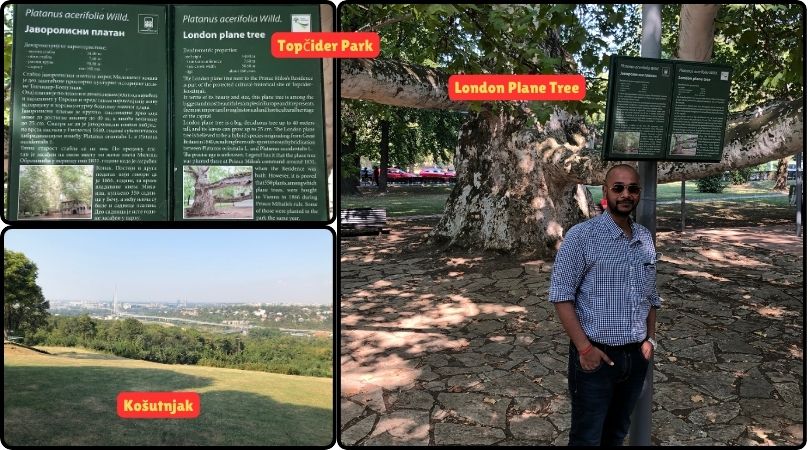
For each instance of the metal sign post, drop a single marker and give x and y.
(641, 422)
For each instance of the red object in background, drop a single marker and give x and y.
(435, 172)
(603, 204)
(397, 174)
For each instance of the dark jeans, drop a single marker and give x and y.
(603, 399)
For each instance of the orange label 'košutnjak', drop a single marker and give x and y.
(158, 405)
(290, 44)
(516, 87)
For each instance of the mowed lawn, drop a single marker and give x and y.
(423, 200)
(69, 398)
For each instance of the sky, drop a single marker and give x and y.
(211, 266)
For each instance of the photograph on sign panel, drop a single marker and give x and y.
(683, 144)
(626, 142)
(218, 192)
(56, 192)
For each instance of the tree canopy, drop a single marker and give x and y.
(762, 42)
(24, 307)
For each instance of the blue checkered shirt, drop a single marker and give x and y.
(609, 277)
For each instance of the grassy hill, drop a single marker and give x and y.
(68, 398)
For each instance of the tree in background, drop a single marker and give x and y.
(394, 136)
(781, 175)
(24, 307)
(521, 166)
(39, 190)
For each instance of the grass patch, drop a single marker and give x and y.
(721, 214)
(68, 398)
(672, 191)
(404, 200)
(416, 200)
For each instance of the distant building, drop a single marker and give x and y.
(74, 207)
(236, 322)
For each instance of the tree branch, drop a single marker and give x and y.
(239, 179)
(396, 83)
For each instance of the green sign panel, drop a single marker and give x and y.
(89, 113)
(165, 113)
(245, 117)
(666, 110)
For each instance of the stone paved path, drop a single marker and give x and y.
(443, 347)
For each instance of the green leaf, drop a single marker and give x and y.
(749, 37)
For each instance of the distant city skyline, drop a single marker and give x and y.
(163, 266)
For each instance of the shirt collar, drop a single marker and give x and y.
(615, 230)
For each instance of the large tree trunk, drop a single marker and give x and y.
(203, 197)
(781, 175)
(696, 34)
(509, 196)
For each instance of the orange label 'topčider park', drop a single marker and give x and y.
(516, 87)
(289, 44)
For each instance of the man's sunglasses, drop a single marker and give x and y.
(631, 188)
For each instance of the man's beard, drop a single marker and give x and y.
(613, 206)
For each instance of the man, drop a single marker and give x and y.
(603, 287)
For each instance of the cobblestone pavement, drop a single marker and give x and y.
(447, 347)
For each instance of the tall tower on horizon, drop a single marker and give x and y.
(115, 301)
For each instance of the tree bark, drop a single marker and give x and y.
(512, 193)
(781, 175)
(396, 83)
(238, 179)
(203, 197)
(696, 34)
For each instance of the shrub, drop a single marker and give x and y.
(741, 176)
(713, 184)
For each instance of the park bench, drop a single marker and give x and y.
(362, 222)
